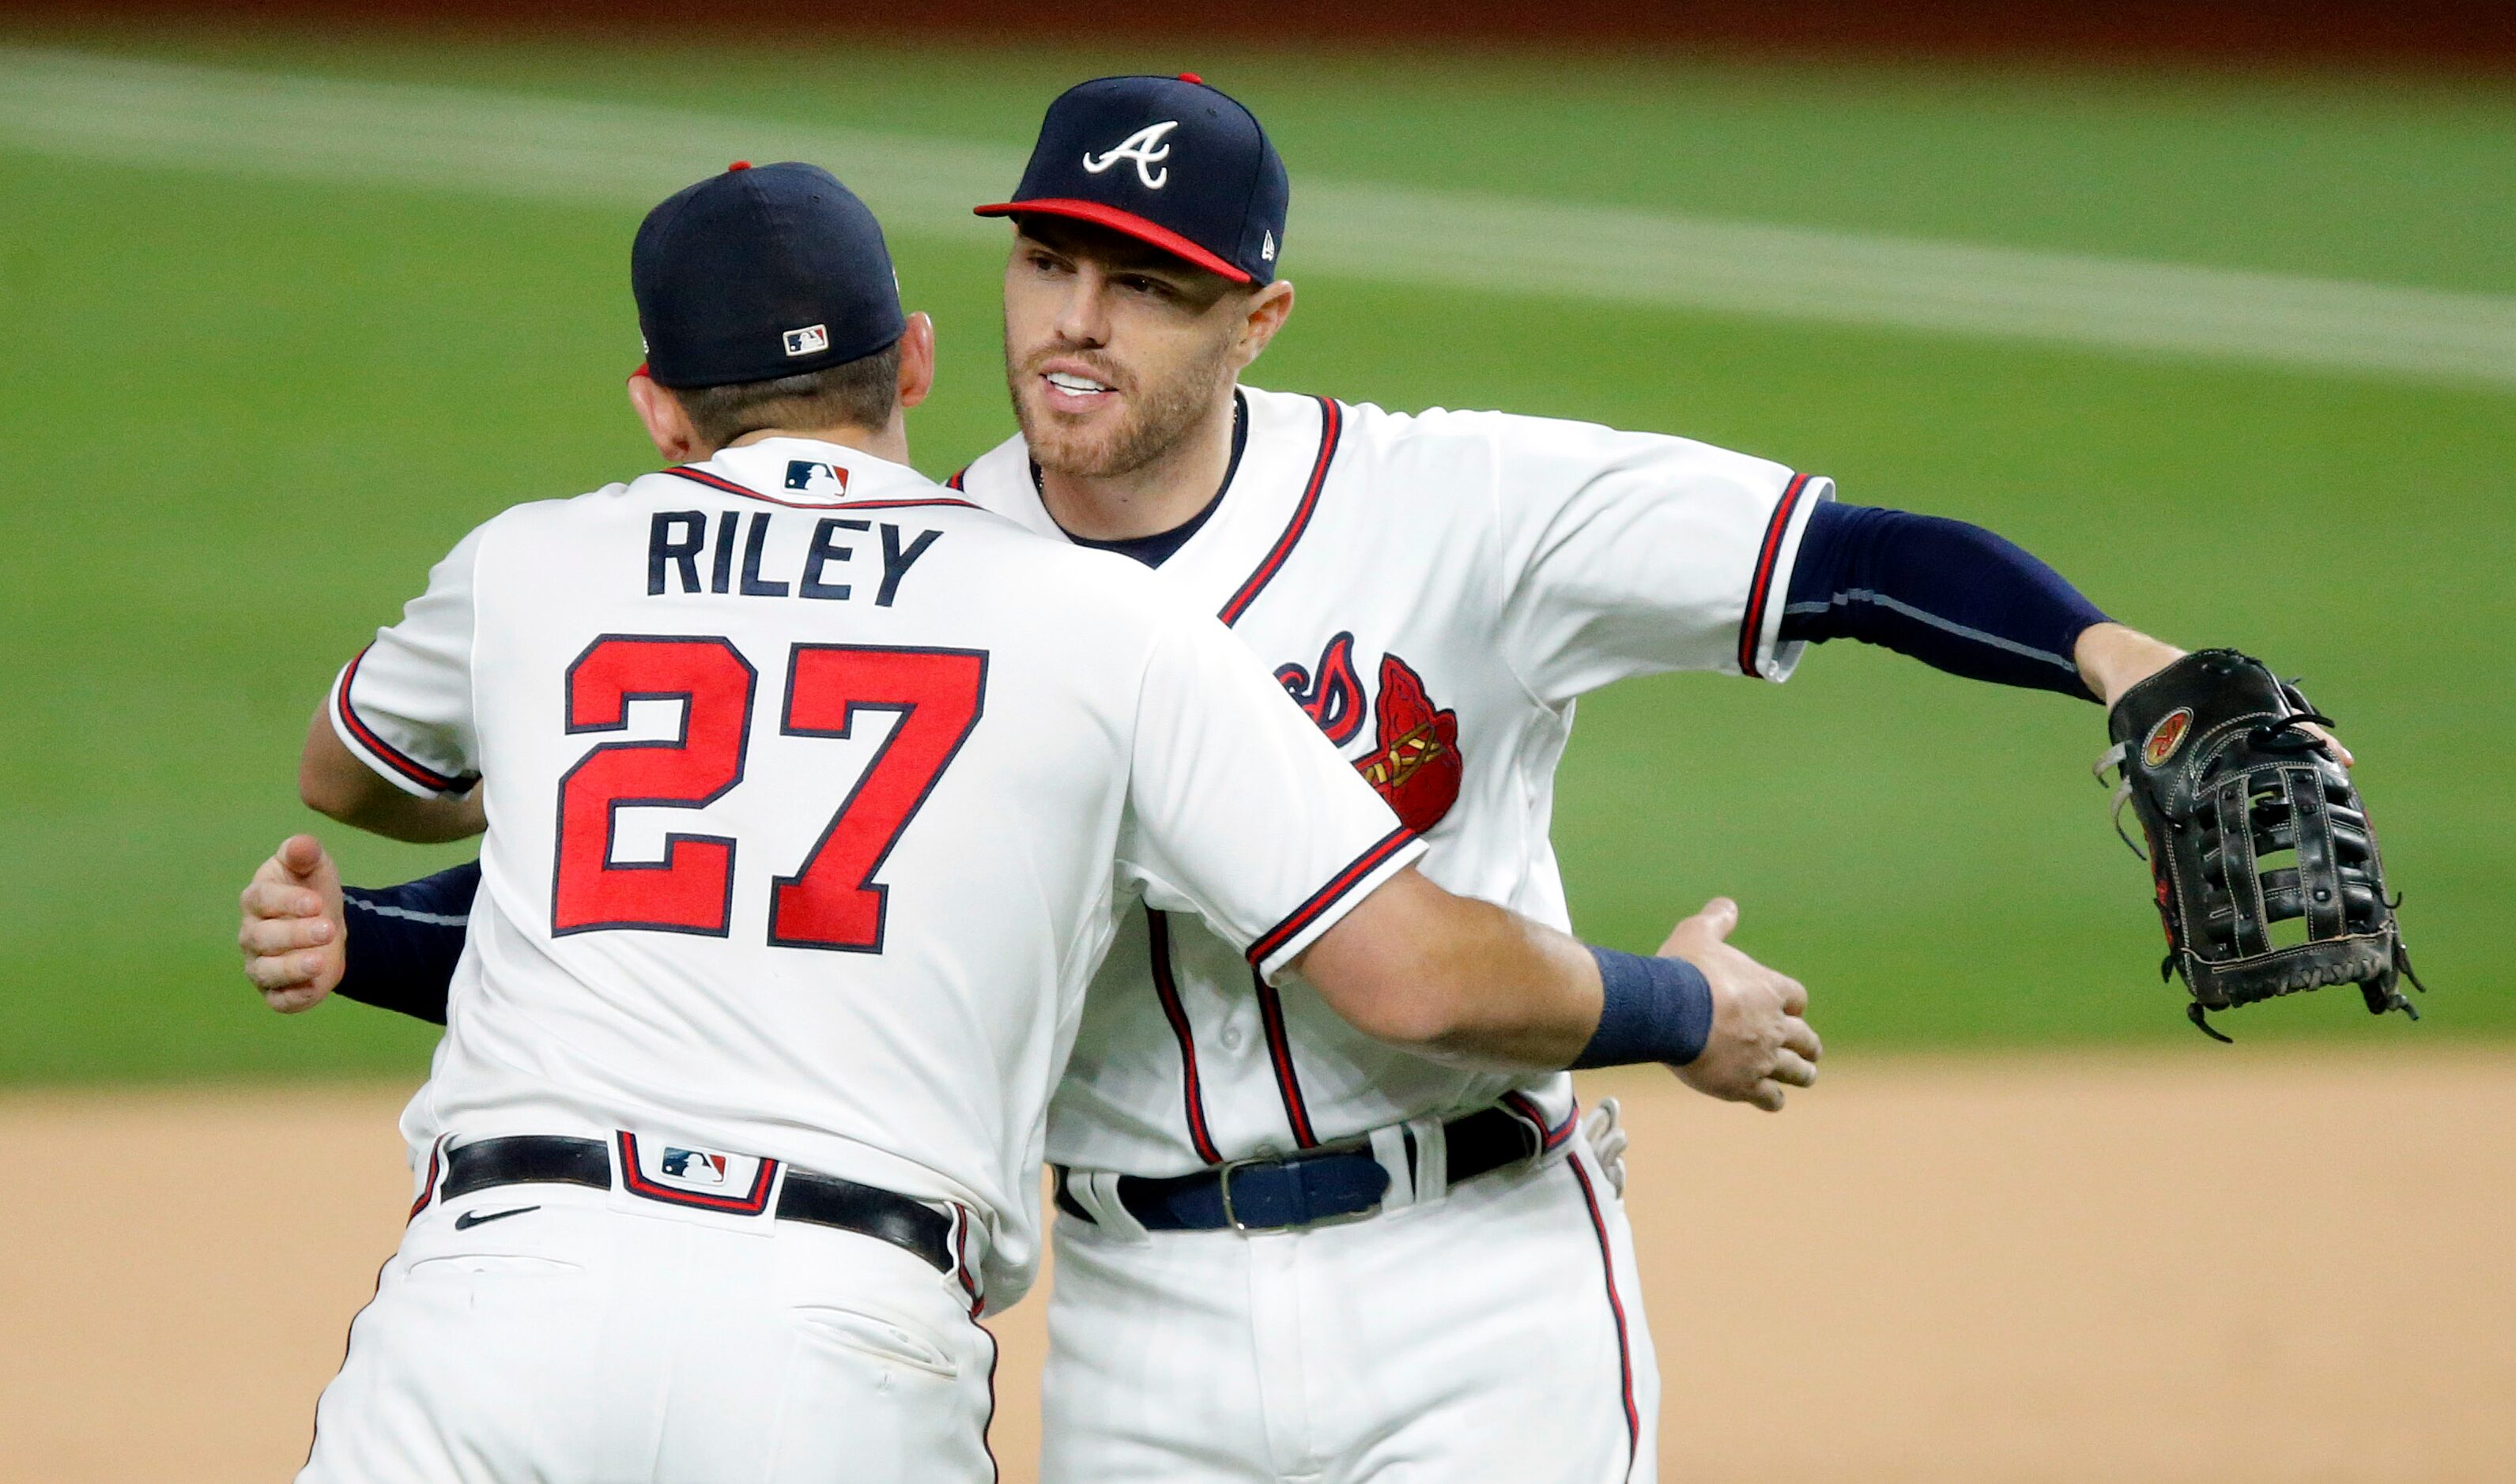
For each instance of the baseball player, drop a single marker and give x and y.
(1436, 592)
(811, 796)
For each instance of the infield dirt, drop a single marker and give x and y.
(2207, 1264)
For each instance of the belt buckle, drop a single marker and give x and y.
(1232, 1216)
(1223, 1177)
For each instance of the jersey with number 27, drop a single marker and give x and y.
(814, 795)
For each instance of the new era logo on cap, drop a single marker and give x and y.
(812, 339)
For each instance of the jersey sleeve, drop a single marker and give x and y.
(1628, 554)
(1238, 810)
(404, 706)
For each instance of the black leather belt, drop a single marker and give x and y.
(1316, 1187)
(823, 1200)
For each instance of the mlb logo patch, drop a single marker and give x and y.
(816, 478)
(697, 1166)
(700, 1180)
(808, 340)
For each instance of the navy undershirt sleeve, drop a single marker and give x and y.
(403, 940)
(1954, 595)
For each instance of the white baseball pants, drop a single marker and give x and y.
(581, 1341)
(1494, 1332)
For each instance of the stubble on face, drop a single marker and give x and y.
(1163, 405)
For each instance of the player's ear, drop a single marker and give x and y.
(916, 361)
(664, 419)
(1266, 311)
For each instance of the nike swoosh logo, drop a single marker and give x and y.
(470, 1218)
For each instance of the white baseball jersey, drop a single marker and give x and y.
(1434, 591)
(814, 795)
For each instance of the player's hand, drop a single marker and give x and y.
(2112, 659)
(1760, 1045)
(2333, 745)
(295, 942)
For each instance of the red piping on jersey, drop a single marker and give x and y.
(428, 1190)
(1751, 624)
(1331, 427)
(349, 1338)
(1157, 926)
(750, 1203)
(1326, 896)
(995, 1471)
(427, 1193)
(1616, 1306)
(408, 766)
(1279, 1050)
(958, 474)
(1548, 1139)
(961, 1258)
(712, 481)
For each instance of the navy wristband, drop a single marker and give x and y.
(1656, 1010)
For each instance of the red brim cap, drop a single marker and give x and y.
(1126, 222)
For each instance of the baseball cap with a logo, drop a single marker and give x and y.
(1166, 160)
(759, 273)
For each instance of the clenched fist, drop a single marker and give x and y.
(1759, 1044)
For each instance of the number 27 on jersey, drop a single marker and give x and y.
(832, 901)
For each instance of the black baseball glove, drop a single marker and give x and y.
(2267, 872)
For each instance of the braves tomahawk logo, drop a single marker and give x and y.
(1145, 147)
(1332, 696)
(1415, 763)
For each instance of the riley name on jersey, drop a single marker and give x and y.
(813, 550)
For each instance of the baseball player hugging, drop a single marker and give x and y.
(812, 796)
(1291, 1245)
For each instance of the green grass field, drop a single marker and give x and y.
(244, 414)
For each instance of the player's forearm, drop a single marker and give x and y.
(1502, 992)
(2112, 659)
(334, 783)
(1457, 979)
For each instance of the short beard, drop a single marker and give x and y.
(1161, 419)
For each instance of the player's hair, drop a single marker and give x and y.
(858, 394)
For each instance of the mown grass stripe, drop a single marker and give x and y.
(401, 134)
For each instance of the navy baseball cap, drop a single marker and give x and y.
(759, 273)
(1166, 160)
